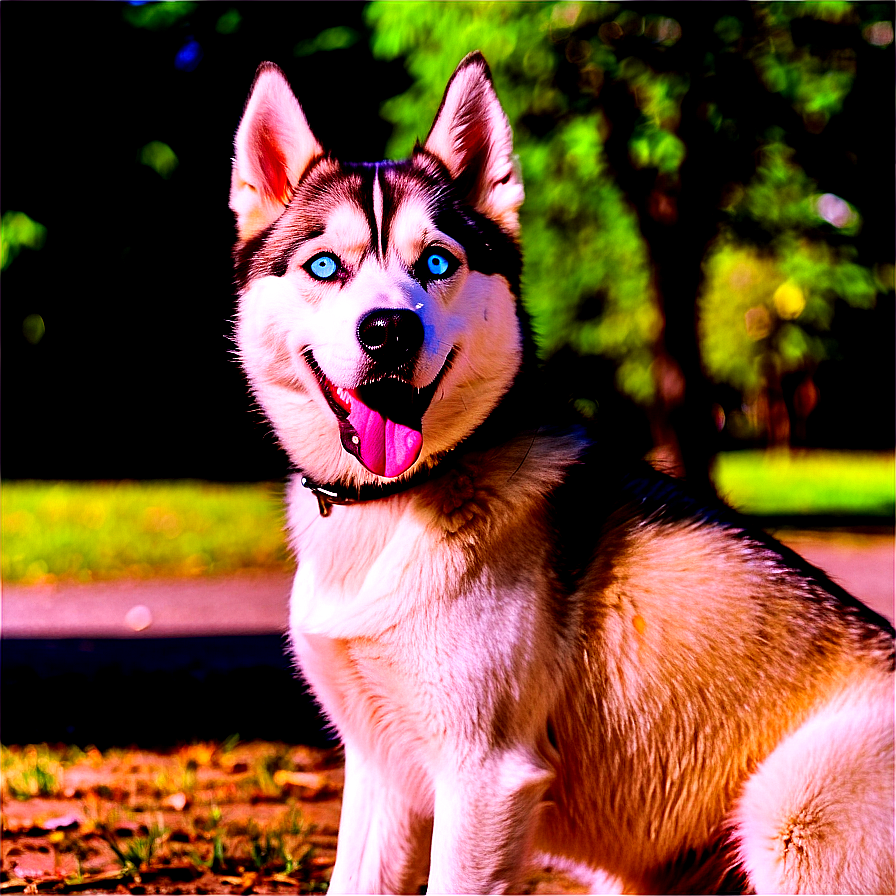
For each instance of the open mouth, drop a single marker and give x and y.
(381, 422)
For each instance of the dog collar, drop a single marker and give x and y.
(330, 493)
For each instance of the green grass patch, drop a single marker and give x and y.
(78, 531)
(32, 771)
(74, 531)
(784, 482)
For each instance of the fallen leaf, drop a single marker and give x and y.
(312, 782)
(199, 755)
(71, 820)
(177, 801)
(30, 868)
(249, 881)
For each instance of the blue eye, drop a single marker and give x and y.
(323, 266)
(438, 264)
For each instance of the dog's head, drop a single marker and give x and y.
(378, 319)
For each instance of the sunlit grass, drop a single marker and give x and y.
(32, 771)
(771, 483)
(84, 531)
(71, 531)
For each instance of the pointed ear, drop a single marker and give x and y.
(274, 146)
(472, 136)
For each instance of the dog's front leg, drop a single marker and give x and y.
(485, 815)
(382, 835)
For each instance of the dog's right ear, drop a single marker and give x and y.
(274, 147)
(472, 136)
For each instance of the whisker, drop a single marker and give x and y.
(526, 455)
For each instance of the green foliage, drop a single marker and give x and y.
(569, 188)
(818, 482)
(285, 848)
(778, 197)
(588, 280)
(815, 89)
(229, 22)
(337, 38)
(737, 314)
(17, 232)
(135, 853)
(155, 837)
(85, 531)
(33, 328)
(157, 16)
(35, 771)
(160, 157)
(771, 309)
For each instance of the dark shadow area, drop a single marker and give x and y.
(156, 692)
(134, 376)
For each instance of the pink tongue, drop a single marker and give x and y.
(386, 448)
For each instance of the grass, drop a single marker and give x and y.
(69, 531)
(111, 825)
(35, 771)
(769, 483)
(83, 531)
(136, 853)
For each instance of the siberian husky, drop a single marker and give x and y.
(524, 650)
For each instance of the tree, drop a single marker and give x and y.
(660, 141)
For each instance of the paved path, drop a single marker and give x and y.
(863, 564)
(246, 604)
(256, 603)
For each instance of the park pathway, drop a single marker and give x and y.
(256, 603)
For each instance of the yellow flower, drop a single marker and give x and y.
(789, 300)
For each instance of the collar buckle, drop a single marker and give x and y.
(327, 495)
(336, 493)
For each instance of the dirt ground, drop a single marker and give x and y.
(226, 818)
(206, 818)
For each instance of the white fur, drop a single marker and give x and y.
(414, 658)
(279, 319)
(386, 643)
(471, 117)
(815, 813)
(273, 146)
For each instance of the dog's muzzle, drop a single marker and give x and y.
(381, 421)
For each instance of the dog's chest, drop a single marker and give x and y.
(394, 618)
(361, 569)
(365, 610)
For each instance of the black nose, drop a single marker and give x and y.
(391, 336)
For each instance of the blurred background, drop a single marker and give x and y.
(708, 230)
(708, 234)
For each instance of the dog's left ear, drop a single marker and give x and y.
(274, 146)
(472, 137)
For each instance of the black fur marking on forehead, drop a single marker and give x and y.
(489, 248)
(305, 218)
(367, 172)
(268, 253)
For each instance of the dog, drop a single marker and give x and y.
(525, 648)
